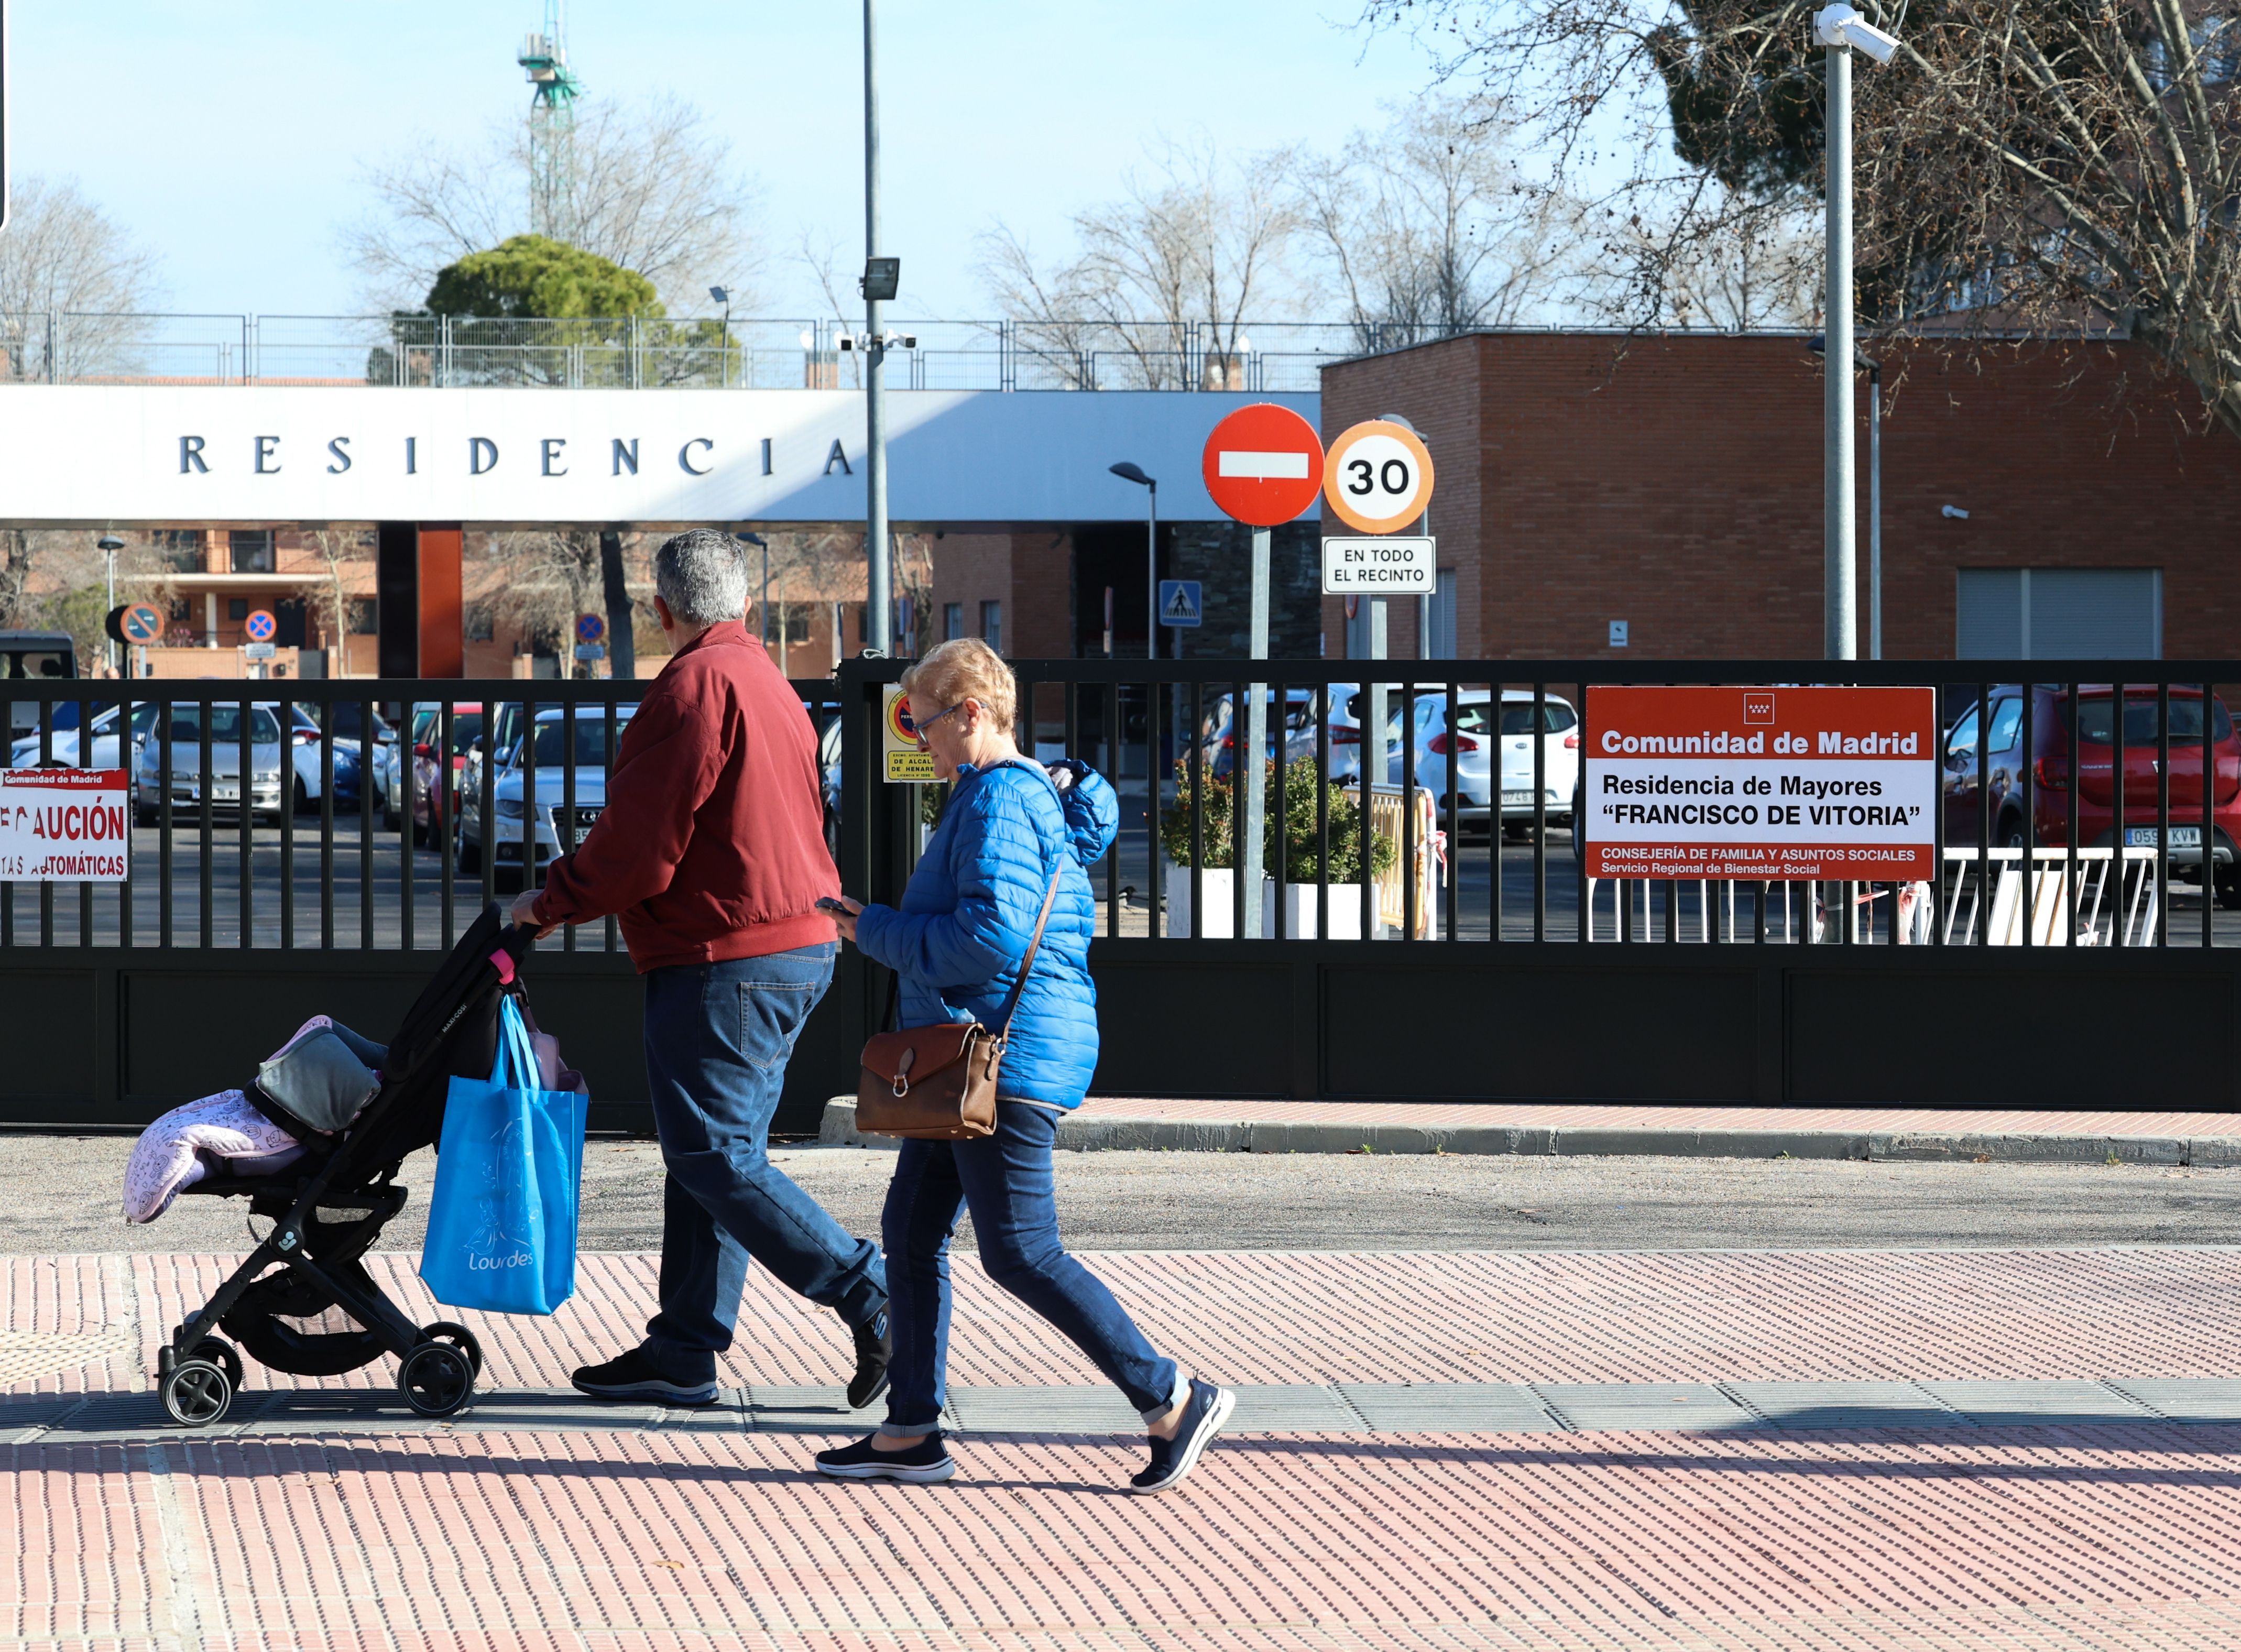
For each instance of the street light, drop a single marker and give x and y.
(763, 611)
(108, 544)
(1131, 472)
(723, 296)
(1841, 29)
(1819, 347)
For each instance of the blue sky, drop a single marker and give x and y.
(228, 135)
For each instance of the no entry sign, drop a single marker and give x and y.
(1835, 783)
(1263, 465)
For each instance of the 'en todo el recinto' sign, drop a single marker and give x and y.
(65, 825)
(1835, 783)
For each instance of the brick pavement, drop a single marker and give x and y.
(2102, 1535)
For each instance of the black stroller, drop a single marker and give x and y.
(328, 1206)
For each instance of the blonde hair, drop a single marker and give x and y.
(966, 668)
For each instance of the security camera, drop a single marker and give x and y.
(1840, 25)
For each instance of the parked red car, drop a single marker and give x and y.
(2000, 726)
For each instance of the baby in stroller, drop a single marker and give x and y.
(315, 1143)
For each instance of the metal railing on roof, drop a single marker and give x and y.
(641, 352)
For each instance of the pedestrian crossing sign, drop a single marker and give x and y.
(1181, 603)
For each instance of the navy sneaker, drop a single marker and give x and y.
(927, 1463)
(633, 1377)
(1204, 1412)
(875, 1347)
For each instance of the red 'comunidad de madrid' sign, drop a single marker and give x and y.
(1835, 783)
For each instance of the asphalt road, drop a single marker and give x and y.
(60, 1193)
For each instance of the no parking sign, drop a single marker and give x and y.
(260, 626)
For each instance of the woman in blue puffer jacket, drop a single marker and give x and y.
(957, 942)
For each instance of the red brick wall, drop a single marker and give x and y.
(1675, 483)
(1038, 621)
(970, 568)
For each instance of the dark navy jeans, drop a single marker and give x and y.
(1005, 1180)
(717, 1040)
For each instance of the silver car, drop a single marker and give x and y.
(183, 737)
(536, 822)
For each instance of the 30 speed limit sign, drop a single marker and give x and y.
(1377, 476)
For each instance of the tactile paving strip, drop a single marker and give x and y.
(1399, 1317)
(1353, 1408)
(2112, 1539)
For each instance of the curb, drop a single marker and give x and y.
(1080, 1134)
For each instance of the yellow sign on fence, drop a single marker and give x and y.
(901, 760)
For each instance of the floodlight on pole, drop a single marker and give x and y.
(1129, 472)
(1840, 30)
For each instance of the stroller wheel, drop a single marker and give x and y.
(436, 1380)
(460, 1337)
(196, 1392)
(213, 1350)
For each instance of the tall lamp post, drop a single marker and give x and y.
(723, 296)
(109, 545)
(878, 283)
(762, 609)
(1840, 30)
(1819, 347)
(1131, 472)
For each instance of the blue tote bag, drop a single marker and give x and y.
(502, 1221)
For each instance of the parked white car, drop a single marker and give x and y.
(184, 739)
(1482, 729)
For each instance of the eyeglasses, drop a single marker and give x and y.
(931, 720)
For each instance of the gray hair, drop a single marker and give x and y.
(702, 576)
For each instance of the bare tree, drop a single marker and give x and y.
(1735, 265)
(70, 280)
(1192, 245)
(654, 190)
(337, 548)
(819, 252)
(2036, 165)
(544, 578)
(1429, 229)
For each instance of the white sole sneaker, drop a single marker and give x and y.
(931, 1475)
(1208, 1426)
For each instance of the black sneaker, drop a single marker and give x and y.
(927, 1463)
(1204, 1412)
(633, 1377)
(875, 1347)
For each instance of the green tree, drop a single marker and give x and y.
(532, 275)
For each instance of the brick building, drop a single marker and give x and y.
(1675, 483)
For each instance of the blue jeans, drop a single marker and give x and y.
(1005, 1180)
(717, 1039)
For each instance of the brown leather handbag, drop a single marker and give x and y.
(938, 1083)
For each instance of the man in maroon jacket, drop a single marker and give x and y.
(710, 850)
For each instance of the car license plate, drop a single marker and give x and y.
(226, 794)
(2182, 837)
(1520, 799)
(585, 819)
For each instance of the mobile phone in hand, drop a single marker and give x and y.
(825, 903)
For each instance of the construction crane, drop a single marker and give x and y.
(543, 58)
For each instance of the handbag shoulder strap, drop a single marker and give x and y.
(1050, 895)
(1026, 964)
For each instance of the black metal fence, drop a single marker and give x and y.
(1494, 856)
(289, 865)
(1424, 935)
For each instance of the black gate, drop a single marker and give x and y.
(2079, 949)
